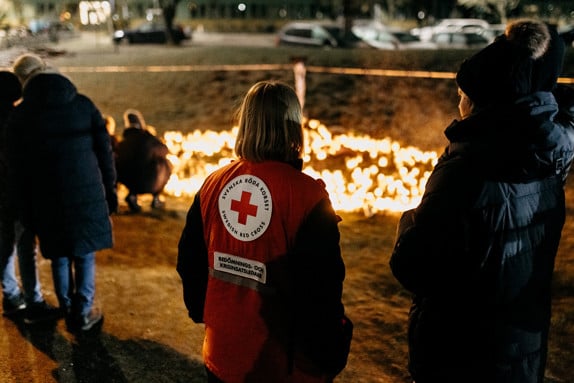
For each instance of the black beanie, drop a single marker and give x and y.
(499, 73)
(11, 89)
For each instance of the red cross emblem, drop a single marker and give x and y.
(243, 207)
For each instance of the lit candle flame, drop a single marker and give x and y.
(361, 173)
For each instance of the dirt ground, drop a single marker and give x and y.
(148, 338)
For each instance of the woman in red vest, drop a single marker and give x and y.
(259, 256)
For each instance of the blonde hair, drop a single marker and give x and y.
(134, 116)
(270, 124)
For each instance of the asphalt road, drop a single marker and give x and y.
(88, 41)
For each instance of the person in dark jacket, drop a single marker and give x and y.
(61, 165)
(16, 242)
(478, 252)
(259, 256)
(141, 161)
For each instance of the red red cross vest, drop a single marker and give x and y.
(251, 213)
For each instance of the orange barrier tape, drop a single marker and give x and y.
(271, 67)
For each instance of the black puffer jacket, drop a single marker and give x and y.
(62, 167)
(478, 252)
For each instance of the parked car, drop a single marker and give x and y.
(53, 30)
(451, 25)
(14, 36)
(317, 35)
(151, 33)
(392, 39)
(459, 40)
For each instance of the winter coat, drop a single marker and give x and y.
(7, 213)
(62, 168)
(141, 162)
(260, 263)
(478, 252)
(6, 208)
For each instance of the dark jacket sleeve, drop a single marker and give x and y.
(192, 264)
(429, 254)
(322, 332)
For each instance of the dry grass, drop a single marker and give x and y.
(147, 336)
(414, 111)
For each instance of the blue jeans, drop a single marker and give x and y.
(75, 282)
(18, 242)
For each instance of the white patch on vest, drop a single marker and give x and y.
(242, 267)
(245, 207)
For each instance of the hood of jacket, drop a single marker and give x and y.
(50, 89)
(513, 143)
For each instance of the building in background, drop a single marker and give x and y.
(273, 9)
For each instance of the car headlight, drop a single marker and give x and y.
(119, 34)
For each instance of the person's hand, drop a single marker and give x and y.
(112, 200)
